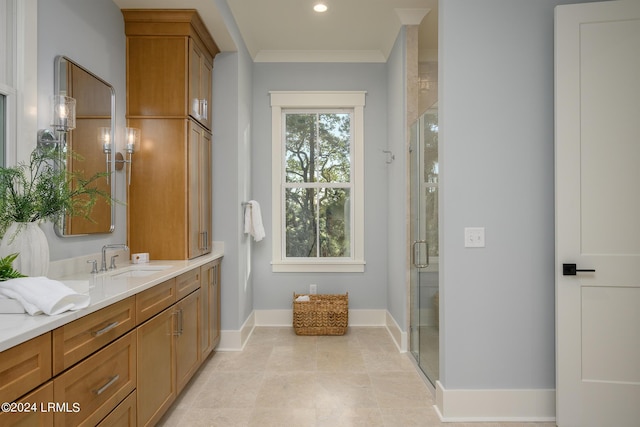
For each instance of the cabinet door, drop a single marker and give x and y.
(215, 304)
(199, 190)
(210, 308)
(156, 363)
(205, 195)
(24, 367)
(200, 74)
(37, 414)
(206, 75)
(187, 338)
(156, 76)
(94, 387)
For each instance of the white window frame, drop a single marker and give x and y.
(285, 100)
(21, 76)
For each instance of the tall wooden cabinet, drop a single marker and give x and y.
(169, 70)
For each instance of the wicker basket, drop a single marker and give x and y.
(322, 315)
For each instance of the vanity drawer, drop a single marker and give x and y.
(124, 415)
(98, 384)
(35, 413)
(24, 367)
(187, 283)
(78, 339)
(154, 300)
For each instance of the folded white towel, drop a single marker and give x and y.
(42, 295)
(253, 221)
(303, 298)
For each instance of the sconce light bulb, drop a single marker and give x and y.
(132, 139)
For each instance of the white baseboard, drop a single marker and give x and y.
(235, 340)
(284, 317)
(509, 405)
(399, 336)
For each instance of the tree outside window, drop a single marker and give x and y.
(317, 184)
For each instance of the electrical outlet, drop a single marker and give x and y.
(474, 237)
(313, 289)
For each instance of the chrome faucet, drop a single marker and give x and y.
(103, 268)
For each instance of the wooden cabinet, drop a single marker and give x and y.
(168, 356)
(24, 367)
(187, 338)
(78, 339)
(187, 283)
(169, 71)
(156, 374)
(210, 312)
(199, 191)
(154, 300)
(124, 415)
(97, 384)
(200, 75)
(117, 374)
(34, 416)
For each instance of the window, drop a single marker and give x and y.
(318, 219)
(18, 77)
(3, 130)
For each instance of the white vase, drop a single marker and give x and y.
(29, 241)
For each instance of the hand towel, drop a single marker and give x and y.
(253, 221)
(42, 295)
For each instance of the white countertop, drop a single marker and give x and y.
(103, 289)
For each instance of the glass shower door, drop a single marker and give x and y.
(424, 251)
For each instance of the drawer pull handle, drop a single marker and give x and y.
(109, 383)
(104, 330)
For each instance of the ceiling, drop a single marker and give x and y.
(290, 31)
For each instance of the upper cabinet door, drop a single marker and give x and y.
(156, 72)
(200, 74)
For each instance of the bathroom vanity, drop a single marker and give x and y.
(121, 361)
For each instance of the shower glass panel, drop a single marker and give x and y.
(424, 294)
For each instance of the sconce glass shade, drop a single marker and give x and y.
(104, 139)
(132, 138)
(64, 113)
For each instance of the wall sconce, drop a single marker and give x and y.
(63, 120)
(132, 141)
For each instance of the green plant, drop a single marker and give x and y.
(6, 268)
(44, 189)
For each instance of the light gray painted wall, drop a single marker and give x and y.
(368, 289)
(91, 34)
(496, 127)
(397, 182)
(232, 101)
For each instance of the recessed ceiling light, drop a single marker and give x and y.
(320, 7)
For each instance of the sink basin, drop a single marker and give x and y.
(140, 271)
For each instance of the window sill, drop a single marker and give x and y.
(351, 266)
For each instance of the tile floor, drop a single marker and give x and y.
(280, 379)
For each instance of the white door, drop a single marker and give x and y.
(598, 214)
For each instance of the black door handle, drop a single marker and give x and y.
(571, 270)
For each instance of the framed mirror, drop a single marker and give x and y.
(95, 109)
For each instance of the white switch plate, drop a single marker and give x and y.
(474, 237)
(313, 289)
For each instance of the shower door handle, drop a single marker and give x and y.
(413, 254)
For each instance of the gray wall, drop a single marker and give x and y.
(91, 34)
(366, 290)
(496, 128)
(397, 182)
(231, 173)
